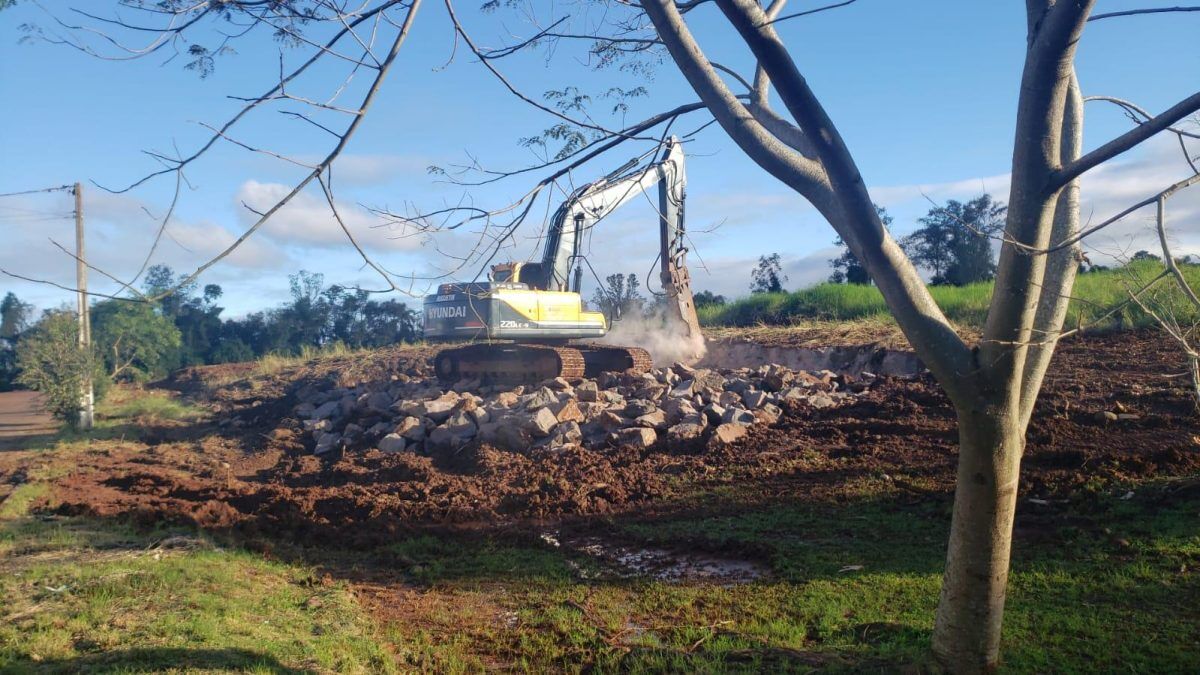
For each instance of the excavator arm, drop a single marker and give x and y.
(593, 202)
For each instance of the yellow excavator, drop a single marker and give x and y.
(528, 318)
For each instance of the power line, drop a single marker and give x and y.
(39, 212)
(34, 219)
(31, 192)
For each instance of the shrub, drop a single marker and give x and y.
(52, 363)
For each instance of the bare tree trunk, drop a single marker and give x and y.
(966, 636)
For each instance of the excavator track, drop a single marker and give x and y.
(609, 358)
(509, 363)
(526, 363)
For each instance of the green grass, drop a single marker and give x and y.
(1095, 294)
(21, 499)
(1105, 585)
(126, 405)
(277, 362)
(1100, 584)
(82, 595)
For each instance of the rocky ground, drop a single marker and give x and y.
(676, 407)
(357, 449)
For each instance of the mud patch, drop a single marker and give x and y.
(660, 564)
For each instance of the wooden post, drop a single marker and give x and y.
(87, 402)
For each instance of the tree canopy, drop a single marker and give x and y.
(954, 241)
(768, 276)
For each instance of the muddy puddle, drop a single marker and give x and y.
(841, 360)
(660, 564)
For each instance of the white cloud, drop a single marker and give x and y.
(753, 223)
(307, 221)
(359, 170)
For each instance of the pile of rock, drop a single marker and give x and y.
(678, 406)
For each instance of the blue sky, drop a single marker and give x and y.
(924, 93)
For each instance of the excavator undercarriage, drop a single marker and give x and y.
(528, 363)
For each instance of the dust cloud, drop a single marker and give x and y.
(665, 339)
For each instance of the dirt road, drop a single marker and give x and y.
(22, 420)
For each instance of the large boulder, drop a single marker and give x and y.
(541, 398)
(512, 437)
(684, 433)
(612, 421)
(708, 383)
(587, 391)
(438, 409)
(568, 411)
(640, 438)
(714, 413)
(327, 443)
(506, 399)
(392, 443)
(738, 416)
(821, 400)
(558, 384)
(414, 429)
(460, 424)
(639, 407)
(729, 398)
(725, 434)
(540, 423)
(754, 398)
(685, 389)
(654, 420)
(768, 414)
(379, 401)
(326, 410)
(442, 438)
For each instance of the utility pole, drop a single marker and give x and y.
(85, 323)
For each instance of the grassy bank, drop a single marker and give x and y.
(849, 587)
(1095, 295)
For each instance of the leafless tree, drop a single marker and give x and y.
(1176, 309)
(993, 384)
(357, 37)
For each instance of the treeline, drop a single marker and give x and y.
(953, 244)
(134, 340)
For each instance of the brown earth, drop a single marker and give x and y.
(247, 469)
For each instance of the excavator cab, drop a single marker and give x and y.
(528, 273)
(507, 273)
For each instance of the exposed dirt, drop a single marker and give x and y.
(249, 469)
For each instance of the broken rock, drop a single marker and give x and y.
(327, 442)
(754, 399)
(541, 423)
(587, 391)
(540, 399)
(725, 434)
(325, 410)
(392, 443)
(568, 411)
(684, 432)
(640, 438)
(654, 420)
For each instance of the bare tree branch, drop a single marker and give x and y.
(1123, 143)
(1133, 12)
